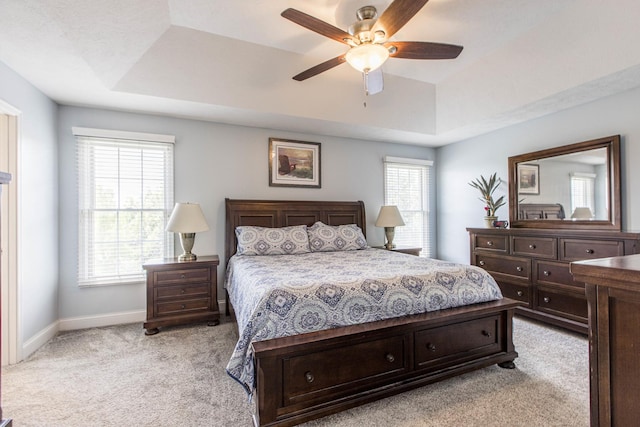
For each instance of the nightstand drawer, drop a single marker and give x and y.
(187, 291)
(187, 275)
(182, 307)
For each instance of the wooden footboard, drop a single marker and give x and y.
(308, 376)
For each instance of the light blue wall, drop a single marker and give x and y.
(37, 181)
(214, 161)
(457, 203)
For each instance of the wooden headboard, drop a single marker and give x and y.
(283, 213)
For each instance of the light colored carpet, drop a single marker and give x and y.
(118, 376)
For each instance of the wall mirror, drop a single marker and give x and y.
(573, 186)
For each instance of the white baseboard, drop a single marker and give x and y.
(110, 319)
(38, 340)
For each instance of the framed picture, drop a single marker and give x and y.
(294, 163)
(528, 179)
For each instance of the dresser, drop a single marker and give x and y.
(613, 294)
(532, 266)
(181, 292)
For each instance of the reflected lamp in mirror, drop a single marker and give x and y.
(389, 217)
(582, 213)
(187, 219)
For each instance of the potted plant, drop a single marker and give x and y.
(487, 187)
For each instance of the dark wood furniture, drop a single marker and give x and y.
(613, 293)
(532, 266)
(540, 211)
(5, 178)
(402, 249)
(181, 292)
(302, 377)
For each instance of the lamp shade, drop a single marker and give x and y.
(389, 216)
(187, 218)
(367, 57)
(582, 213)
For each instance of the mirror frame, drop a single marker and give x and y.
(612, 144)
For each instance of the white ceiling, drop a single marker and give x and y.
(232, 61)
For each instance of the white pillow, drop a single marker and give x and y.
(326, 238)
(272, 241)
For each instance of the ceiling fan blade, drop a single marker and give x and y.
(397, 14)
(327, 65)
(316, 25)
(424, 50)
(373, 82)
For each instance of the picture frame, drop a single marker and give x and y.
(294, 163)
(528, 179)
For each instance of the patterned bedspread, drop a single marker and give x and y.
(282, 295)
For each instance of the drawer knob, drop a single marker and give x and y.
(546, 299)
(431, 347)
(309, 377)
(489, 243)
(519, 293)
(182, 291)
(390, 358)
(590, 251)
(182, 276)
(519, 268)
(183, 306)
(532, 246)
(546, 273)
(481, 263)
(486, 333)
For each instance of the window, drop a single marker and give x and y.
(583, 191)
(407, 184)
(125, 195)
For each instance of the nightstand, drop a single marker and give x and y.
(403, 249)
(181, 292)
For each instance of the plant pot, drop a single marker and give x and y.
(488, 221)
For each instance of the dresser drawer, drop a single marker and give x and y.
(491, 242)
(538, 247)
(554, 273)
(182, 307)
(438, 347)
(518, 268)
(579, 249)
(569, 305)
(187, 275)
(187, 291)
(517, 292)
(316, 375)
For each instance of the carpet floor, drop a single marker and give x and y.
(115, 376)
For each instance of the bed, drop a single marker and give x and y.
(298, 377)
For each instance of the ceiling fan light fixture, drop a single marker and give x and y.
(367, 57)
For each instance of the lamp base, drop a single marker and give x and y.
(186, 241)
(187, 257)
(389, 232)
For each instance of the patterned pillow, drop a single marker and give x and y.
(272, 241)
(325, 238)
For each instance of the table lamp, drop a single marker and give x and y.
(389, 217)
(582, 213)
(187, 219)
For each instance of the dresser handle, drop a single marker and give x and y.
(182, 291)
(309, 377)
(519, 293)
(590, 251)
(519, 268)
(489, 243)
(182, 276)
(390, 358)
(481, 263)
(486, 333)
(183, 306)
(532, 246)
(431, 347)
(546, 273)
(546, 299)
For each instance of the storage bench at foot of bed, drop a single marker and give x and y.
(308, 376)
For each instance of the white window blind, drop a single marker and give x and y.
(125, 194)
(583, 191)
(407, 184)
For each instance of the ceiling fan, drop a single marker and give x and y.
(369, 41)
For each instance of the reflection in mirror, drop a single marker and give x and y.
(573, 186)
